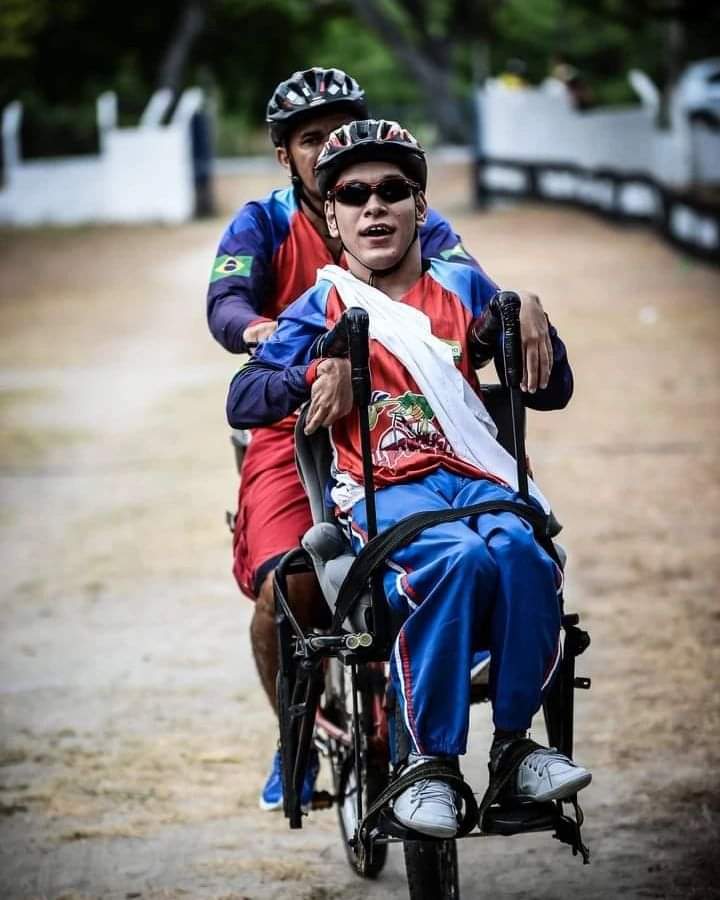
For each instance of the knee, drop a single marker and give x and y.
(264, 614)
(469, 557)
(517, 545)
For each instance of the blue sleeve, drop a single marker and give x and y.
(274, 383)
(241, 277)
(439, 241)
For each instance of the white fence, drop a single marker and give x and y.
(532, 143)
(142, 174)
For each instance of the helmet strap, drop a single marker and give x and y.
(300, 191)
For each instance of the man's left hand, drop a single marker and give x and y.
(536, 343)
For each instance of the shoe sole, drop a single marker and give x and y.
(438, 831)
(567, 789)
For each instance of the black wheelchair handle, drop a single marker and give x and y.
(358, 326)
(334, 342)
(506, 305)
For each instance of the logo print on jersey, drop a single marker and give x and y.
(411, 427)
(456, 348)
(225, 266)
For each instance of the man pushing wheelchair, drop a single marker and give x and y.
(479, 581)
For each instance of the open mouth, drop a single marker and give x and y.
(377, 230)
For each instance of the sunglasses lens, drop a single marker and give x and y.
(394, 190)
(354, 193)
(357, 193)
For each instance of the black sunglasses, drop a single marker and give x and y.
(390, 190)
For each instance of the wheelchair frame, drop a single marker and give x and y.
(355, 738)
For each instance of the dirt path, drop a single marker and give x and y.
(134, 734)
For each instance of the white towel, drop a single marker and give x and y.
(406, 333)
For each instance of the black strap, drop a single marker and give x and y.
(438, 770)
(504, 769)
(376, 551)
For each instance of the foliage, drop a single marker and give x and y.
(59, 56)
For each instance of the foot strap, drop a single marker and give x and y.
(503, 770)
(567, 830)
(437, 770)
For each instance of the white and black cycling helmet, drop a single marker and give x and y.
(370, 140)
(303, 93)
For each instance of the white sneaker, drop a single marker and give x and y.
(548, 775)
(428, 806)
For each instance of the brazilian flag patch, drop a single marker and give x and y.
(225, 266)
(457, 250)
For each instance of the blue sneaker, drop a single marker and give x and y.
(272, 794)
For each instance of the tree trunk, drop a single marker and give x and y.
(189, 26)
(434, 75)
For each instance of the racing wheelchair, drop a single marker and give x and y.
(333, 692)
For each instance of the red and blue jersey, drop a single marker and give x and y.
(407, 440)
(269, 255)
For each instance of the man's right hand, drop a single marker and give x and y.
(256, 334)
(331, 394)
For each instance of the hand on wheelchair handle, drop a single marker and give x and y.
(529, 356)
(537, 351)
(331, 396)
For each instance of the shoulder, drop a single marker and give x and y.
(438, 238)
(454, 277)
(269, 216)
(469, 284)
(311, 306)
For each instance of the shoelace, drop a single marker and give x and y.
(539, 760)
(428, 791)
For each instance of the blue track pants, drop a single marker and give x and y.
(482, 582)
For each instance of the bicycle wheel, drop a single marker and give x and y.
(432, 870)
(374, 774)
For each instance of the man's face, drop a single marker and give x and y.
(306, 142)
(379, 231)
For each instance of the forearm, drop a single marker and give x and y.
(261, 394)
(228, 316)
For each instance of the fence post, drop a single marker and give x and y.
(11, 120)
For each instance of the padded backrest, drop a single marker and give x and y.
(313, 454)
(313, 457)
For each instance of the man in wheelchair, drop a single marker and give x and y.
(482, 581)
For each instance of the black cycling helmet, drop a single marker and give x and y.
(367, 141)
(304, 92)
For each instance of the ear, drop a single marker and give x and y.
(333, 230)
(421, 208)
(283, 157)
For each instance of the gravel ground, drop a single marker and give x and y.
(134, 732)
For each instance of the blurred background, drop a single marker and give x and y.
(418, 61)
(574, 147)
(612, 105)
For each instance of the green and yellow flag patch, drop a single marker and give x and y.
(225, 266)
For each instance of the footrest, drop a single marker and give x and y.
(519, 818)
(388, 825)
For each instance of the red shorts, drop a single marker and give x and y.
(273, 511)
